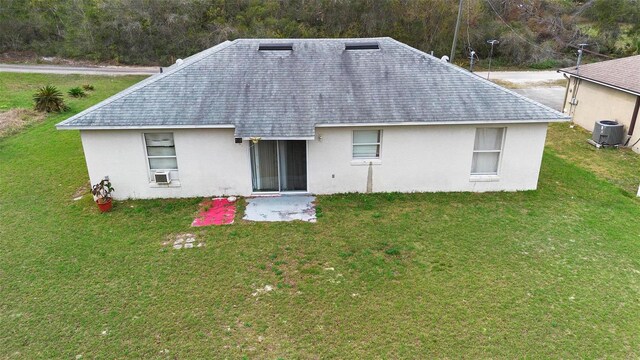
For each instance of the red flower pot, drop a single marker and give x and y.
(105, 205)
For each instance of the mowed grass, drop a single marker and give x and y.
(620, 167)
(553, 273)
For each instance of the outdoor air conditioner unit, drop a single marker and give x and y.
(608, 132)
(162, 177)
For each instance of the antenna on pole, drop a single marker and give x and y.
(455, 34)
(472, 54)
(492, 42)
(580, 51)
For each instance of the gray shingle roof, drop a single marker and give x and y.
(285, 94)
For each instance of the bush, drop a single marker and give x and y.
(545, 64)
(49, 99)
(76, 92)
(88, 87)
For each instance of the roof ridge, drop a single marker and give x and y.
(315, 39)
(150, 80)
(475, 76)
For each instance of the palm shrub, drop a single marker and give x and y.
(49, 99)
(76, 92)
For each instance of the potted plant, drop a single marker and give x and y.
(102, 195)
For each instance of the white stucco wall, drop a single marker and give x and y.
(209, 163)
(424, 159)
(413, 159)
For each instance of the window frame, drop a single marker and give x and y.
(150, 171)
(378, 144)
(495, 174)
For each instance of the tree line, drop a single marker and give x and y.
(531, 32)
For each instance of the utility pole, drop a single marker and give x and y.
(455, 35)
(576, 83)
(492, 42)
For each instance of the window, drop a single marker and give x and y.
(161, 152)
(486, 151)
(366, 144)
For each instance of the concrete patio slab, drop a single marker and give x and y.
(281, 208)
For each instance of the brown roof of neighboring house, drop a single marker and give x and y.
(619, 73)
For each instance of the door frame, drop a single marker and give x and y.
(279, 192)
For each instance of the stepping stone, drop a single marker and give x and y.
(177, 246)
(188, 245)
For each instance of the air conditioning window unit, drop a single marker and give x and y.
(162, 177)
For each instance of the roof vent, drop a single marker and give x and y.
(362, 46)
(276, 47)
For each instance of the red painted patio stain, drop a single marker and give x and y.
(218, 211)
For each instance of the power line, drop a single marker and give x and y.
(538, 46)
(591, 52)
(516, 33)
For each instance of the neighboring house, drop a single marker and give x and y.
(322, 116)
(608, 90)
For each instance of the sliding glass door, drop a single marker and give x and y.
(264, 165)
(279, 165)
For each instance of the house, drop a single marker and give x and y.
(608, 90)
(321, 116)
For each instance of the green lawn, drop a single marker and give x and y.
(553, 273)
(620, 167)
